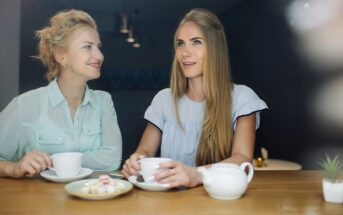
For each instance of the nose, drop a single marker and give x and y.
(186, 52)
(99, 55)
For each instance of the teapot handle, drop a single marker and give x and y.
(250, 169)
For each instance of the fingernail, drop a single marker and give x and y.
(51, 165)
(156, 167)
(165, 185)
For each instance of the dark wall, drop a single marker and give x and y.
(262, 57)
(34, 16)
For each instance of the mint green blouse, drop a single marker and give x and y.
(40, 120)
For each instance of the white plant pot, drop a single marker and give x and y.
(333, 192)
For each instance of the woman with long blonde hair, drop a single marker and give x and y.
(203, 118)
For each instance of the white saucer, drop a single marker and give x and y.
(74, 189)
(51, 175)
(148, 186)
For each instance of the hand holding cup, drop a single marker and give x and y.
(150, 166)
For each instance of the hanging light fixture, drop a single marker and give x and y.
(124, 23)
(137, 42)
(130, 38)
(130, 35)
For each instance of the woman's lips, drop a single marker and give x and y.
(188, 64)
(95, 65)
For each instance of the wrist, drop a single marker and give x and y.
(141, 154)
(8, 169)
(198, 177)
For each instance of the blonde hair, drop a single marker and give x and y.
(215, 140)
(55, 36)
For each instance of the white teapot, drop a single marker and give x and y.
(226, 180)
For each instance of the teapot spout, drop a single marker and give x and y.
(206, 177)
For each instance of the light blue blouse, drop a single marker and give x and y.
(181, 145)
(40, 120)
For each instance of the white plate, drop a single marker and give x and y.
(148, 186)
(74, 189)
(51, 176)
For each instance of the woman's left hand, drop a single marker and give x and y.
(178, 174)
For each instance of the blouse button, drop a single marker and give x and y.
(59, 139)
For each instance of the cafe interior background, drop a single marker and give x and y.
(304, 120)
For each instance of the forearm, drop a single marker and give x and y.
(238, 158)
(145, 153)
(150, 141)
(243, 141)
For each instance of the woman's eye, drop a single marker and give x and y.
(87, 47)
(180, 43)
(197, 42)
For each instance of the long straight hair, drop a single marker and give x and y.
(216, 136)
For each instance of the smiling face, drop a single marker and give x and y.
(83, 57)
(190, 50)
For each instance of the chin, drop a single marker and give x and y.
(94, 75)
(192, 75)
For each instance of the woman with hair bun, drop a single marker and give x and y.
(66, 115)
(203, 118)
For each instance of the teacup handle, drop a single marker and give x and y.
(49, 167)
(250, 169)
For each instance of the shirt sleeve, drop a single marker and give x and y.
(154, 113)
(108, 157)
(245, 102)
(9, 131)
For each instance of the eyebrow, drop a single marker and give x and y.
(196, 38)
(192, 39)
(91, 43)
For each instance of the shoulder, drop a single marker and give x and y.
(30, 100)
(239, 89)
(31, 95)
(164, 95)
(246, 101)
(241, 93)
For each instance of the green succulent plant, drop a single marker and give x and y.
(332, 167)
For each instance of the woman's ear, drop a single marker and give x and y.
(59, 56)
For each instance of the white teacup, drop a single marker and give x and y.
(66, 164)
(149, 167)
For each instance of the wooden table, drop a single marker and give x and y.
(276, 164)
(270, 192)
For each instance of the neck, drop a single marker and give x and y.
(196, 89)
(72, 89)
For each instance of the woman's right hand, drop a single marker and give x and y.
(131, 166)
(33, 162)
